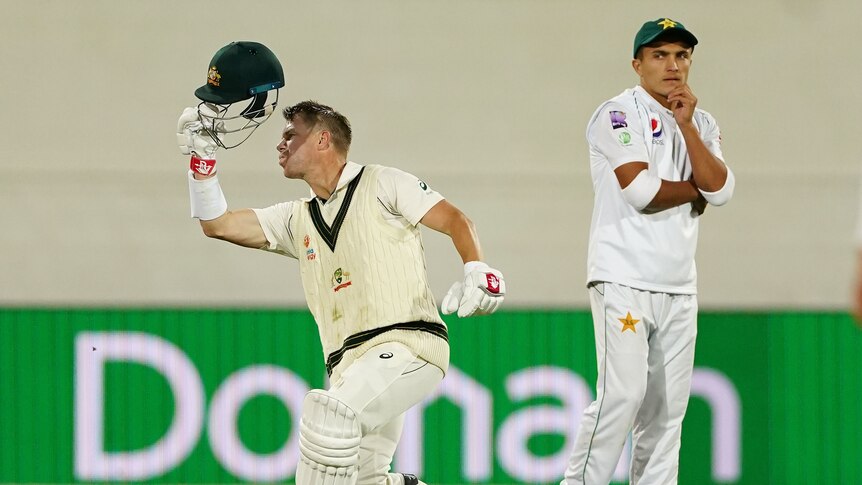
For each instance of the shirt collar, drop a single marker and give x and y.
(351, 170)
(653, 103)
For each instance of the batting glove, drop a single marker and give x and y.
(195, 141)
(481, 293)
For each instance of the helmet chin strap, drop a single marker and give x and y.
(256, 108)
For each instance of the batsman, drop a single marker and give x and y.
(361, 259)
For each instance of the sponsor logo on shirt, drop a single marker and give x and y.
(657, 129)
(423, 185)
(655, 121)
(625, 138)
(309, 252)
(618, 120)
(340, 280)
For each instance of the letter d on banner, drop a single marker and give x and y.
(91, 460)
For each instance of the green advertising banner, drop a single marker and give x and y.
(187, 396)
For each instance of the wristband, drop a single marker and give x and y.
(722, 195)
(202, 166)
(207, 198)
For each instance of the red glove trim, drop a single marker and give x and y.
(493, 283)
(202, 166)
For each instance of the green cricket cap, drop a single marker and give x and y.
(654, 29)
(239, 71)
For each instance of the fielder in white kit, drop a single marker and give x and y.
(656, 163)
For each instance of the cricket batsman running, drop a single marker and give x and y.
(357, 241)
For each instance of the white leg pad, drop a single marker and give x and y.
(329, 436)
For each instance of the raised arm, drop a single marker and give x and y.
(710, 174)
(240, 227)
(208, 203)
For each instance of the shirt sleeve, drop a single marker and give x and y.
(276, 222)
(403, 194)
(711, 135)
(618, 135)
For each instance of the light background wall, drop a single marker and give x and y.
(485, 100)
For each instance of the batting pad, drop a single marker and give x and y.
(329, 436)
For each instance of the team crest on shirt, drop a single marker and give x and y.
(340, 280)
(657, 129)
(618, 120)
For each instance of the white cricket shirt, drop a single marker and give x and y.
(653, 252)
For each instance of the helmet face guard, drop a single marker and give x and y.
(229, 125)
(238, 72)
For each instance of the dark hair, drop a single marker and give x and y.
(312, 113)
(669, 36)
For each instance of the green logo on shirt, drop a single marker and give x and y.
(625, 138)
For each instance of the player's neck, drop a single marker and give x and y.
(325, 184)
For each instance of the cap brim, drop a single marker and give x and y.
(208, 94)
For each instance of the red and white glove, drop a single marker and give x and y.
(195, 141)
(481, 293)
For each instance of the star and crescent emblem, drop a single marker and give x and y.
(667, 24)
(628, 323)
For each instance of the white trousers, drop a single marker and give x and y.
(645, 352)
(380, 387)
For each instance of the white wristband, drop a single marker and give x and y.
(207, 198)
(722, 195)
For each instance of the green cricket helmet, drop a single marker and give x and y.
(238, 72)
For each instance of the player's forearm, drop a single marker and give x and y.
(708, 172)
(465, 239)
(448, 219)
(672, 194)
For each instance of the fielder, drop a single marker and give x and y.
(656, 163)
(363, 270)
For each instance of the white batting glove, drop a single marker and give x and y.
(481, 293)
(193, 140)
